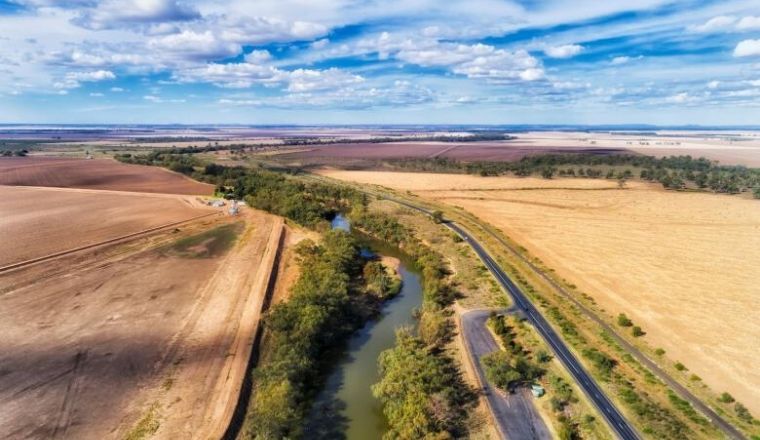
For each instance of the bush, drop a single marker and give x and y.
(726, 398)
(680, 367)
(659, 352)
(623, 320)
(743, 413)
(637, 331)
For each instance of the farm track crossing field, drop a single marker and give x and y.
(683, 266)
(96, 174)
(35, 222)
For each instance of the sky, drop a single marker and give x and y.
(380, 62)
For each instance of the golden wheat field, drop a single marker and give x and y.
(683, 266)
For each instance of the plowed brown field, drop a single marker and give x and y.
(35, 222)
(96, 174)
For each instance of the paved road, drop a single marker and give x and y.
(617, 422)
(515, 414)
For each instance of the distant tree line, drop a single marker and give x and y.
(314, 140)
(674, 172)
(17, 153)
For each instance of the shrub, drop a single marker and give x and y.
(743, 413)
(624, 321)
(637, 331)
(659, 352)
(680, 367)
(726, 398)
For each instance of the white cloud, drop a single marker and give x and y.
(96, 94)
(97, 75)
(261, 30)
(564, 51)
(119, 13)
(258, 57)
(679, 98)
(73, 80)
(713, 84)
(320, 44)
(160, 100)
(727, 23)
(195, 45)
(117, 89)
(305, 80)
(719, 23)
(617, 61)
(474, 61)
(748, 23)
(747, 48)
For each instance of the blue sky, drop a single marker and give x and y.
(380, 61)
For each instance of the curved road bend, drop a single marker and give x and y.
(620, 426)
(515, 414)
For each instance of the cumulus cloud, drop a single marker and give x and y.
(399, 93)
(306, 80)
(261, 30)
(73, 80)
(748, 23)
(195, 45)
(564, 51)
(747, 48)
(119, 13)
(475, 61)
(713, 84)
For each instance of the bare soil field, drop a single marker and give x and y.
(96, 174)
(140, 338)
(35, 222)
(683, 266)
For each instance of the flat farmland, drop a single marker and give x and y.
(96, 174)
(35, 222)
(465, 151)
(683, 266)
(149, 338)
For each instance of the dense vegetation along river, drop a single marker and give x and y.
(346, 407)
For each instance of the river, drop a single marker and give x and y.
(346, 407)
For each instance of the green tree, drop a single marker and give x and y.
(637, 331)
(726, 398)
(437, 216)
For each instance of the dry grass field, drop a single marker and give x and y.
(96, 174)
(683, 266)
(35, 222)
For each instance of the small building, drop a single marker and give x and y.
(537, 390)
